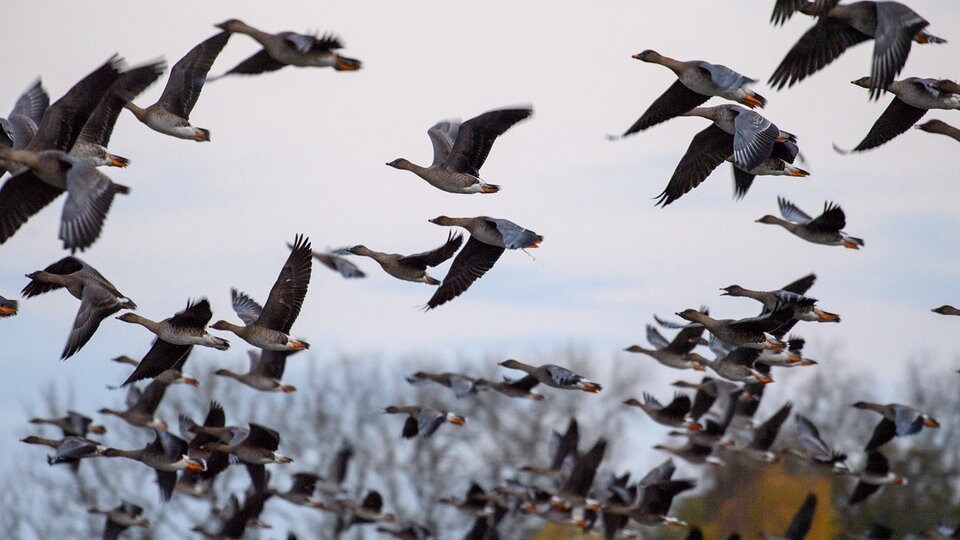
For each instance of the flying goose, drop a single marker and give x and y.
(672, 353)
(825, 229)
(913, 97)
(874, 475)
(412, 267)
(141, 406)
(176, 337)
(255, 448)
(898, 421)
(265, 372)
(69, 450)
(170, 115)
(555, 376)
(268, 327)
(489, 237)
(98, 297)
(333, 260)
(166, 454)
(18, 129)
(459, 150)
(288, 49)
(74, 424)
(697, 81)
(423, 421)
(120, 519)
(891, 25)
(741, 133)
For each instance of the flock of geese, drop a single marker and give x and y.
(54, 148)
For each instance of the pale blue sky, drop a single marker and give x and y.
(303, 151)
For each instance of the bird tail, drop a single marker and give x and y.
(121, 189)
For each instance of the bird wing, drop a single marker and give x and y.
(260, 62)
(126, 88)
(831, 220)
(195, 315)
(800, 286)
(742, 181)
(89, 196)
(96, 304)
(897, 118)
(908, 420)
(286, 296)
(22, 196)
(262, 437)
(791, 212)
(476, 136)
(513, 235)
(766, 434)
(442, 135)
(819, 46)
(436, 256)
(32, 103)
(410, 428)
(706, 152)
(802, 520)
(473, 261)
(429, 421)
(273, 363)
(62, 122)
(150, 399)
(753, 139)
(656, 338)
(675, 101)
(346, 268)
(188, 75)
(809, 437)
(162, 356)
(246, 308)
(687, 338)
(679, 407)
(896, 27)
(882, 434)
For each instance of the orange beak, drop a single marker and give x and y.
(763, 379)
(850, 245)
(751, 101)
(287, 389)
(931, 423)
(196, 466)
(697, 366)
(117, 161)
(7, 311)
(190, 381)
(99, 430)
(458, 420)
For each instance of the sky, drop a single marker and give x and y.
(304, 151)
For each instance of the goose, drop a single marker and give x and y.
(519, 388)
(874, 475)
(898, 421)
(938, 126)
(267, 327)
(423, 421)
(891, 25)
(120, 519)
(489, 237)
(98, 297)
(19, 128)
(694, 453)
(459, 150)
(737, 366)
(337, 470)
(412, 267)
(946, 310)
(49, 171)
(653, 503)
(476, 501)
(814, 450)
(234, 518)
(802, 307)
(166, 454)
(742, 133)
(170, 115)
(91, 145)
(673, 353)
(69, 450)
(301, 491)
(141, 406)
(266, 370)
(74, 424)
(750, 332)
(672, 415)
(555, 376)
(561, 447)
(332, 259)
(462, 385)
(289, 49)
(176, 337)
(825, 229)
(8, 308)
(913, 97)
(255, 448)
(697, 81)
(369, 510)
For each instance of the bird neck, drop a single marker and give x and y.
(140, 113)
(24, 157)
